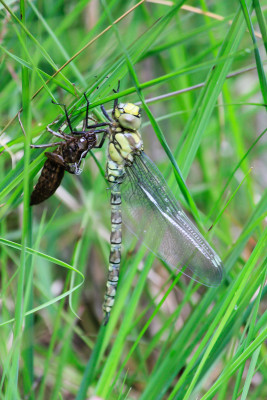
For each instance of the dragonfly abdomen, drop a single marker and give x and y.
(115, 248)
(124, 143)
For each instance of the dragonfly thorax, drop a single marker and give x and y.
(125, 140)
(124, 145)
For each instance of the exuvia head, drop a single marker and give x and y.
(128, 115)
(82, 144)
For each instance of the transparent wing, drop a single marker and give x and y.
(152, 213)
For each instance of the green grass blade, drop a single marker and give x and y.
(261, 22)
(206, 101)
(261, 72)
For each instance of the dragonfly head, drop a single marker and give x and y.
(128, 115)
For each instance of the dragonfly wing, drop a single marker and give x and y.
(152, 213)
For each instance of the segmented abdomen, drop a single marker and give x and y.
(115, 248)
(48, 182)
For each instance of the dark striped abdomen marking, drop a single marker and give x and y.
(115, 249)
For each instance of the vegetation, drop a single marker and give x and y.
(199, 75)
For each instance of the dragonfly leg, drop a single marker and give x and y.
(87, 118)
(97, 124)
(98, 146)
(44, 146)
(66, 113)
(104, 111)
(115, 105)
(54, 133)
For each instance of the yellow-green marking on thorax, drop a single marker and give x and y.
(125, 140)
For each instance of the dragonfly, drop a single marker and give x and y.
(141, 199)
(67, 156)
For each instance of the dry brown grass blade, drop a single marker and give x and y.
(196, 10)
